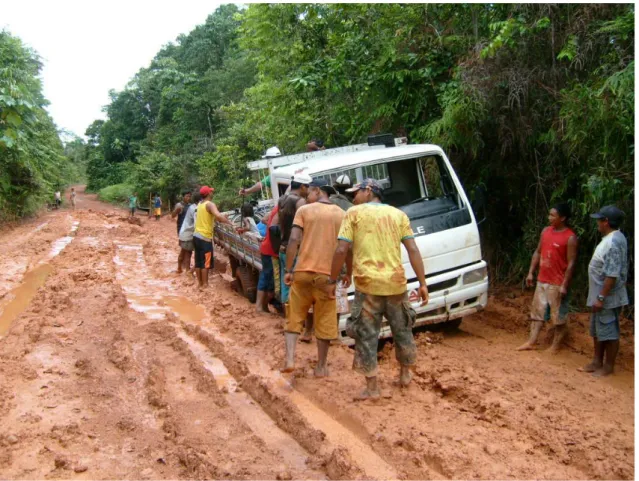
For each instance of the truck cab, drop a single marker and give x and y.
(419, 180)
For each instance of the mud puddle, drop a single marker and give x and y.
(18, 299)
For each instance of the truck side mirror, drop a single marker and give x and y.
(478, 203)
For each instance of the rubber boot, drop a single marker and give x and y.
(560, 334)
(321, 370)
(535, 329)
(291, 343)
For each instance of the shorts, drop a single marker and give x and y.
(366, 321)
(132, 209)
(266, 281)
(203, 253)
(604, 325)
(284, 289)
(73, 201)
(58, 202)
(548, 296)
(157, 211)
(186, 245)
(310, 289)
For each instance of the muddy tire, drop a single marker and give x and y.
(234, 265)
(452, 325)
(247, 282)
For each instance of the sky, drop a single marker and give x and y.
(90, 47)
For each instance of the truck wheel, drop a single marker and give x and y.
(247, 283)
(234, 265)
(453, 325)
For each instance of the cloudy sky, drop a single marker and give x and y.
(89, 47)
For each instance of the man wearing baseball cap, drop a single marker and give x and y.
(315, 230)
(370, 242)
(341, 185)
(206, 216)
(607, 276)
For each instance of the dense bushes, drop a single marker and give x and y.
(534, 102)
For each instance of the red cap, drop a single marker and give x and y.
(206, 190)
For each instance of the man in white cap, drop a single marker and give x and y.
(342, 183)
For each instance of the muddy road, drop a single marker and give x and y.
(113, 366)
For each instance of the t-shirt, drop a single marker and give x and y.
(57, 196)
(157, 202)
(321, 223)
(341, 201)
(266, 181)
(376, 232)
(609, 260)
(73, 194)
(180, 217)
(133, 200)
(249, 224)
(553, 260)
(204, 222)
(266, 248)
(188, 224)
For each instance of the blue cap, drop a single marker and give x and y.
(609, 212)
(371, 184)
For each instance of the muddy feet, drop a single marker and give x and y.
(603, 371)
(592, 367)
(526, 347)
(320, 371)
(366, 395)
(286, 368)
(307, 337)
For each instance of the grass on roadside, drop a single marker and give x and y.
(116, 194)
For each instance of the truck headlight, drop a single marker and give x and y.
(475, 276)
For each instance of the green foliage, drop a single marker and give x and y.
(533, 101)
(33, 163)
(116, 194)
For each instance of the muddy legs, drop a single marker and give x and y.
(291, 343)
(535, 329)
(597, 360)
(560, 334)
(610, 348)
(371, 391)
(307, 336)
(260, 302)
(321, 370)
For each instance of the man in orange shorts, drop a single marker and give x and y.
(315, 229)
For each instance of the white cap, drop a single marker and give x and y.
(343, 180)
(302, 179)
(272, 152)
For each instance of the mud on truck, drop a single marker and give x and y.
(419, 180)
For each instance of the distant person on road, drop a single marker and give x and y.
(206, 216)
(370, 242)
(341, 185)
(157, 206)
(180, 211)
(314, 232)
(133, 203)
(58, 199)
(288, 206)
(72, 197)
(556, 257)
(607, 277)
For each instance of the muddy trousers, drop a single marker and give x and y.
(365, 324)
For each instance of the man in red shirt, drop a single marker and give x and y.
(556, 256)
(266, 283)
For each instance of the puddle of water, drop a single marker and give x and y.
(19, 298)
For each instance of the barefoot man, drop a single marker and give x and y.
(315, 229)
(607, 277)
(556, 256)
(205, 218)
(370, 243)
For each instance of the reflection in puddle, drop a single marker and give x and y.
(19, 298)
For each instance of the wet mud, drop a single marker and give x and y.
(108, 354)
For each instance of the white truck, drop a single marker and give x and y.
(417, 179)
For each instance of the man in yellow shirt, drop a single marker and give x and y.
(370, 243)
(205, 218)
